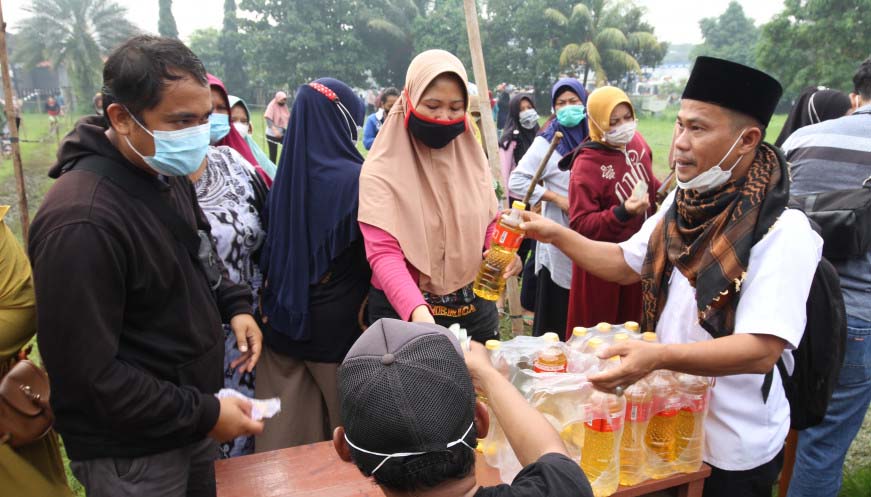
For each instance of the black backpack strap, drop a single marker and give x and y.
(769, 377)
(129, 182)
(565, 164)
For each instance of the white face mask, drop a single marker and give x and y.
(528, 118)
(621, 135)
(714, 177)
(386, 457)
(241, 127)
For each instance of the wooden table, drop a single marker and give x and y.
(316, 470)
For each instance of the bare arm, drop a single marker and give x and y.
(529, 433)
(744, 353)
(602, 259)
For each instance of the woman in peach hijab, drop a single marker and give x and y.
(427, 204)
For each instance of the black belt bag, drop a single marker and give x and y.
(844, 218)
(462, 296)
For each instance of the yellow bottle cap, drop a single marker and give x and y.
(595, 342)
(648, 336)
(551, 337)
(614, 358)
(603, 327)
(619, 337)
(579, 331)
(493, 344)
(632, 326)
(518, 205)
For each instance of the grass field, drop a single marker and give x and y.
(38, 156)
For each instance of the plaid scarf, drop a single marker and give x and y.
(708, 236)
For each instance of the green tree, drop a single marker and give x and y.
(232, 54)
(816, 42)
(519, 50)
(732, 36)
(166, 21)
(600, 45)
(297, 42)
(75, 33)
(388, 27)
(444, 27)
(206, 43)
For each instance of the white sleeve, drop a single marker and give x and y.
(522, 175)
(779, 277)
(635, 248)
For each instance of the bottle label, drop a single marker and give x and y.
(696, 404)
(506, 238)
(549, 368)
(639, 412)
(606, 425)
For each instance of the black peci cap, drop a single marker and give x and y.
(404, 388)
(734, 86)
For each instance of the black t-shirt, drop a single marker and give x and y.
(553, 475)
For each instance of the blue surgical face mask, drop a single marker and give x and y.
(219, 127)
(176, 153)
(571, 115)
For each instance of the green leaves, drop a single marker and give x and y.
(76, 33)
(816, 42)
(166, 21)
(600, 43)
(731, 36)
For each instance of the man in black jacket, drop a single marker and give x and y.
(129, 323)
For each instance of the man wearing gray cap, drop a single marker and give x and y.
(725, 271)
(411, 420)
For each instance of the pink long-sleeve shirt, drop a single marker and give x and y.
(393, 274)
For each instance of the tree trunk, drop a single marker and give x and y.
(586, 72)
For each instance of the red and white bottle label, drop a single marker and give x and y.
(506, 238)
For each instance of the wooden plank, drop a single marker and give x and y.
(488, 134)
(23, 213)
(316, 470)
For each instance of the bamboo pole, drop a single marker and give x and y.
(490, 141)
(557, 137)
(23, 213)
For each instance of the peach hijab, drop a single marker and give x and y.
(436, 202)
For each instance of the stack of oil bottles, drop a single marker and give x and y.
(654, 430)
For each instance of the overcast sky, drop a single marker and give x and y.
(676, 21)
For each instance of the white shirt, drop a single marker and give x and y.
(557, 181)
(741, 431)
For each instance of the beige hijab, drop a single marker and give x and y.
(436, 202)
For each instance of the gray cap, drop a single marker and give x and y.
(404, 387)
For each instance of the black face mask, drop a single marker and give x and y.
(433, 133)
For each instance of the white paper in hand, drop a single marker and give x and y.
(462, 336)
(640, 190)
(260, 408)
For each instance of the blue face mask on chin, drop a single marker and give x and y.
(219, 127)
(176, 153)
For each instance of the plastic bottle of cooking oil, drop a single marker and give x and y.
(600, 457)
(690, 431)
(592, 344)
(551, 359)
(661, 430)
(576, 340)
(579, 362)
(639, 408)
(489, 284)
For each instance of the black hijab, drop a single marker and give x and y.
(814, 105)
(513, 131)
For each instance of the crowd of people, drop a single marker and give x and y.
(171, 259)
